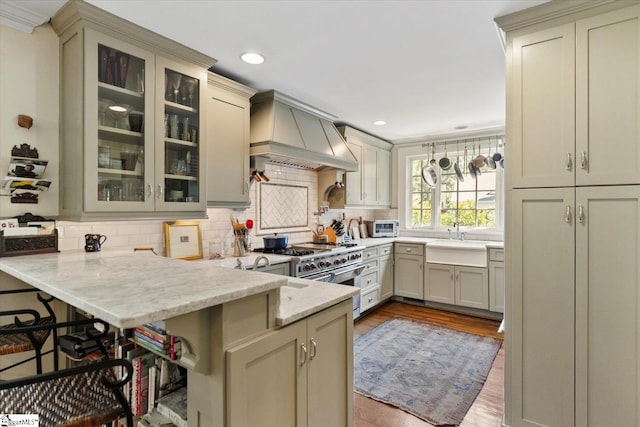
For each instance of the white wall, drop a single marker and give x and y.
(29, 85)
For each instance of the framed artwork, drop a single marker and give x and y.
(182, 239)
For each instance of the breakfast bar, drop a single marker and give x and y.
(243, 332)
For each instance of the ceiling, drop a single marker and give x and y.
(425, 67)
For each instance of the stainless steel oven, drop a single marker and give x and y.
(342, 266)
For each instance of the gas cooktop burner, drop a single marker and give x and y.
(334, 244)
(285, 251)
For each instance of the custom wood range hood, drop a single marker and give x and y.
(287, 131)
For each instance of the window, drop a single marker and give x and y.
(420, 195)
(472, 202)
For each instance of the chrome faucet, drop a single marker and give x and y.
(459, 235)
(256, 263)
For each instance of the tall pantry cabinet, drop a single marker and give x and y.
(133, 128)
(573, 234)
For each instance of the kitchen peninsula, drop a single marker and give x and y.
(255, 344)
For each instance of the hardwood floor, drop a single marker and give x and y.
(487, 410)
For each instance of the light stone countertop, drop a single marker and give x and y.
(301, 298)
(127, 289)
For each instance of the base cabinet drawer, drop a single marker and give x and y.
(369, 298)
(368, 279)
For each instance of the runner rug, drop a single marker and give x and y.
(432, 372)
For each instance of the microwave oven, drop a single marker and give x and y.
(383, 228)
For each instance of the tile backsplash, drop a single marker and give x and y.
(217, 227)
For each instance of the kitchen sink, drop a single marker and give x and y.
(295, 285)
(457, 252)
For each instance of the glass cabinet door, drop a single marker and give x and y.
(178, 174)
(117, 167)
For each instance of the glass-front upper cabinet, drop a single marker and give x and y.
(178, 174)
(132, 128)
(144, 120)
(121, 144)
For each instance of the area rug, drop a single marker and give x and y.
(432, 372)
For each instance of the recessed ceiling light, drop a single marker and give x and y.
(379, 123)
(252, 58)
(460, 127)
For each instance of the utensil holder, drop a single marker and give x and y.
(239, 246)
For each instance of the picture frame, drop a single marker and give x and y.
(183, 240)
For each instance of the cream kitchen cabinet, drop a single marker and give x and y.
(408, 274)
(455, 284)
(541, 324)
(385, 271)
(496, 280)
(228, 112)
(572, 257)
(370, 185)
(131, 135)
(369, 280)
(297, 376)
(574, 106)
(576, 272)
(377, 277)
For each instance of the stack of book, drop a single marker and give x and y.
(154, 337)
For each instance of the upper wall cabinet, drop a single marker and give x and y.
(370, 185)
(132, 120)
(228, 114)
(575, 104)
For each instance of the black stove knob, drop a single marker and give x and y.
(312, 266)
(307, 267)
(336, 262)
(343, 260)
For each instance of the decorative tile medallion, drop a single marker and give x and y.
(283, 206)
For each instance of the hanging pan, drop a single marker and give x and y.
(428, 172)
(489, 159)
(445, 163)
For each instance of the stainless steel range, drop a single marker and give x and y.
(340, 265)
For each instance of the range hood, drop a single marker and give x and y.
(289, 132)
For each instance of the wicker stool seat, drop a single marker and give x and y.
(86, 395)
(14, 339)
(17, 343)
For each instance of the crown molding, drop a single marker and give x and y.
(76, 11)
(13, 14)
(555, 9)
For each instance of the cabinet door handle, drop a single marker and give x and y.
(569, 164)
(452, 277)
(580, 214)
(368, 281)
(314, 349)
(159, 194)
(149, 191)
(408, 249)
(370, 299)
(583, 160)
(567, 215)
(246, 187)
(303, 354)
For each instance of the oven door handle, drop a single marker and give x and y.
(324, 278)
(357, 269)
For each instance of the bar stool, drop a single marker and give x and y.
(85, 395)
(12, 342)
